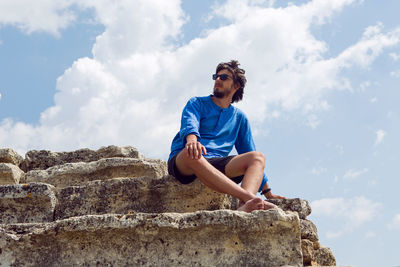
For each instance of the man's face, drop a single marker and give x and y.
(224, 88)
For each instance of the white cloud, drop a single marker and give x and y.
(395, 73)
(37, 16)
(0, 96)
(395, 223)
(373, 100)
(380, 135)
(394, 56)
(353, 174)
(350, 213)
(369, 47)
(133, 89)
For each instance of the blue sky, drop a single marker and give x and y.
(321, 95)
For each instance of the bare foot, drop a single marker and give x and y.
(252, 204)
(268, 205)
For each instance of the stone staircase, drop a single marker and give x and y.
(115, 207)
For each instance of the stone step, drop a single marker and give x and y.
(38, 202)
(123, 196)
(203, 238)
(81, 172)
(43, 159)
(26, 203)
(143, 194)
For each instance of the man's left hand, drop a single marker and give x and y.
(270, 195)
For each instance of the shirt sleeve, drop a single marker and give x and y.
(190, 121)
(244, 143)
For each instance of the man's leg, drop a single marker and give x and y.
(216, 180)
(251, 165)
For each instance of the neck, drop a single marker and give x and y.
(222, 102)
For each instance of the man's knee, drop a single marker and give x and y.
(257, 158)
(184, 159)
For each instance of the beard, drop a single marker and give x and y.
(218, 94)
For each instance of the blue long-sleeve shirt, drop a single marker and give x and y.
(218, 129)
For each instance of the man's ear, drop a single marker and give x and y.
(237, 86)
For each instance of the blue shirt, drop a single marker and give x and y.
(216, 128)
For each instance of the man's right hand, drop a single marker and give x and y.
(194, 148)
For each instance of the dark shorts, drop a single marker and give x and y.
(218, 163)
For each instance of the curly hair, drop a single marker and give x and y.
(238, 77)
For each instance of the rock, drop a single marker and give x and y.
(108, 168)
(25, 203)
(143, 194)
(44, 159)
(118, 152)
(308, 252)
(7, 155)
(298, 205)
(204, 238)
(308, 230)
(10, 174)
(316, 245)
(324, 257)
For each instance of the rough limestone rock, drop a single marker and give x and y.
(7, 155)
(308, 230)
(108, 168)
(308, 252)
(324, 257)
(25, 203)
(114, 207)
(298, 205)
(10, 174)
(44, 159)
(204, 238)
(143, 194)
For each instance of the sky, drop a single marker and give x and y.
(321, 94)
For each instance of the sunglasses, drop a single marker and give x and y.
(223, 77)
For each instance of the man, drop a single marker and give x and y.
(210, 127)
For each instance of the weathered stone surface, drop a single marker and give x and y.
(108, 168)
(7, 155)
(308, 230)
(324, 257)
(143, 194)
(10, 174)
(204, 238)
(308, 252)
(44, 159)
(298, 205)
(24, 203)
